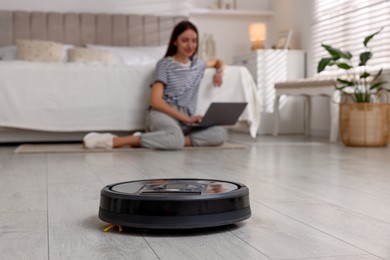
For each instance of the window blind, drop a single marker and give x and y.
(345, 23)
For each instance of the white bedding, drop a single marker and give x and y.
(72, 97)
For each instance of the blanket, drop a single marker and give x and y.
(72, 97)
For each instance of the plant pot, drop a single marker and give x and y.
(364, 124)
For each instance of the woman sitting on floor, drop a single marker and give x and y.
(173, 100)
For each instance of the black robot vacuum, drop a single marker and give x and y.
(174, 203)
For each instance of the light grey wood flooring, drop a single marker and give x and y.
(310, 200)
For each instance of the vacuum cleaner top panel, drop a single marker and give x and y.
(175, 187)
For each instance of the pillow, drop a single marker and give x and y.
(8, 53)
(88, 55)
(43, 51)
(133, 55)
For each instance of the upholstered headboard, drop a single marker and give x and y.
(82, 28)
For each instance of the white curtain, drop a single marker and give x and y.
(345, 23)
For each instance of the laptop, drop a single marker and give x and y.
(220, 113)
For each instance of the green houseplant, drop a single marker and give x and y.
(364, 119)
(358, 83)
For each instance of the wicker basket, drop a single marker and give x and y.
(388, 123)
(364, 124)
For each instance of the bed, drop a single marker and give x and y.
(41, 101)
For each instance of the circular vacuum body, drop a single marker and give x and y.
(174, 203)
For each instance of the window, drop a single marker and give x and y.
(345, 23)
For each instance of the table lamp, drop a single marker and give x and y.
(257, 34)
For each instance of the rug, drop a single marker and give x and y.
(78, 148)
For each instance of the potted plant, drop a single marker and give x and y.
(363, 112)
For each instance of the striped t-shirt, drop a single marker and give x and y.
(181, 82)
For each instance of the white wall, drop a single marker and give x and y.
(104, 6)
(230, 32)
(295, 15)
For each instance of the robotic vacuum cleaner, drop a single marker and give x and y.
(174, 203)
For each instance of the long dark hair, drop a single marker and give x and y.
(179, 29)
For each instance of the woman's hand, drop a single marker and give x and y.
(219, 66)
(217, 79)
(194, 119)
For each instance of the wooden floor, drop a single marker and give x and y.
(309, 199)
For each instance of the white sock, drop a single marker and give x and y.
(97, 140)
(137, 134)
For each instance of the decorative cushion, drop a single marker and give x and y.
(88, 55)
(42, 51)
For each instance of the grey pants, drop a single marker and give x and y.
(167, 134)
